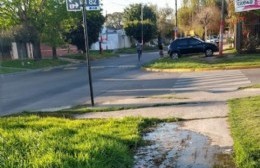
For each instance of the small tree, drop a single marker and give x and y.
(114, 20)
(165, 21)
(134, 26)
(208, 17)
(95, 20)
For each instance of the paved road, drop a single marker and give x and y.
(54, 88)
(116, 78)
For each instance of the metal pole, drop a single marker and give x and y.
(84, 13)
(176, 21)
(142, 15)
(221, 30)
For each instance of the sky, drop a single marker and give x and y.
(111, 6)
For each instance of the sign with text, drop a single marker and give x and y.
(93, 5)
(76, 5)
(73, 5)
(246, 5)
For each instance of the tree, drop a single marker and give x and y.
(134, 26)
(56, 22)
(165, 21)
(75, 36)
(185, 19)
(27, 14)
(114, 20)
(209, 16)
(37, 21)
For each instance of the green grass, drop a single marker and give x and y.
(94, 55)
(198, 62)
(82, 109)
(108, 53)
(4, 70)
(255, 86)
(32, 141)
(32, 64)
(244, 119)
(133, 50)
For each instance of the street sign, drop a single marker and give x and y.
(93, 5)
(73, 5)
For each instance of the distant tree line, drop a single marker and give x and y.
(46, 21)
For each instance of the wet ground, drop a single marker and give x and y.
(169, 146)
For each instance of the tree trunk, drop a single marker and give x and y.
(37, 50)
(54, 53)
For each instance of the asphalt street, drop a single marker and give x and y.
(113, 79)
(68, 86)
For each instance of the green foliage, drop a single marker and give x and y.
(114, 20)
(245, 123)
(133, 24)
(165, 21)
(75, 36)
(31, 141)
(135, 29)
(56, 20)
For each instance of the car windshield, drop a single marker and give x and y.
(198, 39)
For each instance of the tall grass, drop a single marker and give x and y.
(244, 118)
(32, 141)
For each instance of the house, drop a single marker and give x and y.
(111, 39)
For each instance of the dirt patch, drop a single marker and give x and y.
(170, 146)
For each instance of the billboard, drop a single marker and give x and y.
(246, 5)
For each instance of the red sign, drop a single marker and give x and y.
(246, 5)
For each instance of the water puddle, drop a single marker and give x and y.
(170, 147)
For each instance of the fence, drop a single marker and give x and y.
(248, 37)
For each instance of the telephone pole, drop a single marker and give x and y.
(176, 21)
(221, 30)
(84, 13)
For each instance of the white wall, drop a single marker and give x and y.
(112, 40)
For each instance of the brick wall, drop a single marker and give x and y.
(47, 50)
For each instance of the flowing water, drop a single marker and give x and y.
(168, 146)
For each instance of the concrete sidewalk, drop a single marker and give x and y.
(206, 113)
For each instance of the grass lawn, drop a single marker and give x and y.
(200, 62)
(4, 70)
(32, 64)
(108, 53)
(244, 119)
(93, 55)
(255, 86)
(33, 141)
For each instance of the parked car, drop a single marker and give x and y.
(189, 45)
(213, 39)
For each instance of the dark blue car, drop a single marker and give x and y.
(189, 45)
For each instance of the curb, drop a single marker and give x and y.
(198, 69)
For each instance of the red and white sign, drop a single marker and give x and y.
(246, 5)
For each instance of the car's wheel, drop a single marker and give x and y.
(174, 55)
(208, 52)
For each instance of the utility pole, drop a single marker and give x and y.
(176, 21)
(221, 30)
(84, 13)
(142, 19)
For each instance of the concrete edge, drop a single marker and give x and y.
(198, 69)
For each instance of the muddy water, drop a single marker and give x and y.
(170, 147)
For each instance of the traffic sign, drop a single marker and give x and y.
(73, 5)
(92, 5)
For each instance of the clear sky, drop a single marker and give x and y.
(111, 6)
